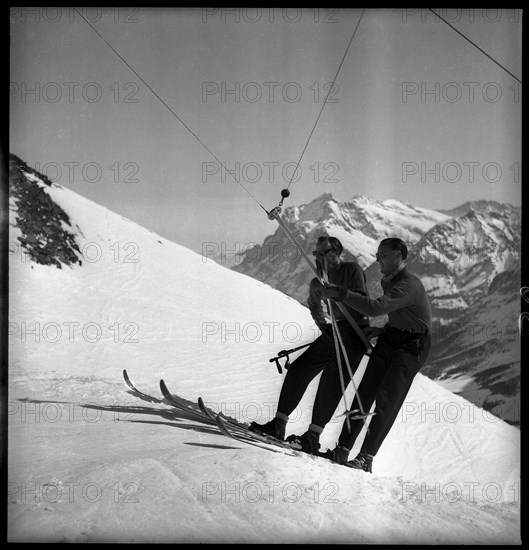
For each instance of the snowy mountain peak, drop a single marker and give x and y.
(319, 208)
(484, 206)
(476, 246)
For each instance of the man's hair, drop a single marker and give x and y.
(333, 241)
(395, 244)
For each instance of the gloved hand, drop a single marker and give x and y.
(333, 292)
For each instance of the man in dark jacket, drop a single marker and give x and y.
(401, 350)
(321, 354)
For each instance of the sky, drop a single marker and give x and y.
(136, 111)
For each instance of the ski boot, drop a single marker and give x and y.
(340, 455)
(307, 442)
(275, 428)
(363, 461)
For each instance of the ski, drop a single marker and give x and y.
(255, 438)
(139, 393)
(251, 438)
(244, 435)
(247, 436)
(227, 426)
(213, 415)
(170, 398)
(204, 409)
(240, 437)
(204, 414)
(240, 432)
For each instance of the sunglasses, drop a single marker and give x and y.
(381, 256)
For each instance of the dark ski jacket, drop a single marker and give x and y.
(404, 301)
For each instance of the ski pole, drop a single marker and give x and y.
(275, 214)
(285, 353)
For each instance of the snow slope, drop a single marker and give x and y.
(89, 462)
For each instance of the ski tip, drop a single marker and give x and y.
(127, 379)
(165, 390)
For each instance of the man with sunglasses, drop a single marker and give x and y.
(401, 350)
(321, 354)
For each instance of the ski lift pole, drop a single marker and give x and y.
(274, 214)
(285, 353)
(338, 340)
(348, 414)
(337, 344)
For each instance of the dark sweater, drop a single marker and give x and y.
(404, 301)
(348, 275)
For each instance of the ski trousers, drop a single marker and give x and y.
(321, 356)
(393, 364)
